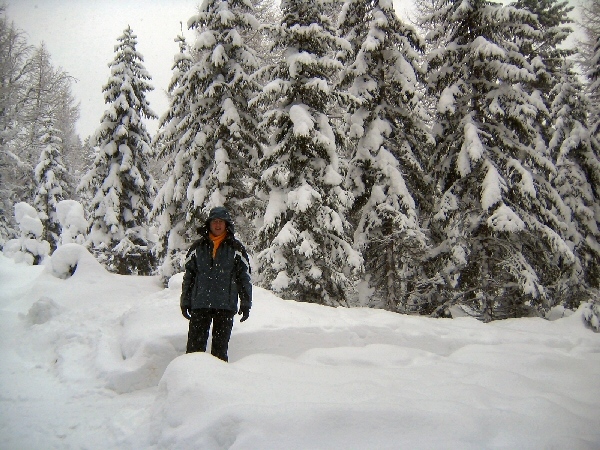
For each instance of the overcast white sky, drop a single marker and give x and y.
(80, 36)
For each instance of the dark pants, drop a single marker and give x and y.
(222, 323)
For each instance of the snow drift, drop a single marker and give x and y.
(96, 360)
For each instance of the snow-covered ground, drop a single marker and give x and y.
(97, 361)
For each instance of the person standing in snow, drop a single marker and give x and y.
(217, 272)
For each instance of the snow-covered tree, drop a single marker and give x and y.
(29, 247)
(591, 315)
(545, 50)
(498, 219)
(119, 183)
(32, 89)
(589, 11)
(306, 251)
(48, 97)
(266, 12)
(65, 120)
(593, 90)
(73, 225)
(386, 169)
(577, 181)
(170, 204)
(51, 177)
(552, 28)
(14, 68)
(210, 130)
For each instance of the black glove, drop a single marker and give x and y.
(244, 312)
(187, 313)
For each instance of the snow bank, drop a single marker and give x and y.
(68, 258)
(98, 357)
(373, 380)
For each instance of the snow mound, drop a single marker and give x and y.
(101, 358)
(176, 281)
(69, 258)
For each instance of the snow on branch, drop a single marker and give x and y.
(505, 219)
(525, 184)
(206, 39)
(492, 188)
(302, 119)
(591, 315)
(447, 101)
(471, 150)
(486, 49)
(302, 198)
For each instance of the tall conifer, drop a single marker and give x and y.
(119, 183)
(306, 250)
(497, 222)
(210, 130)
(577, 180)
(52, 185)
(386, 169)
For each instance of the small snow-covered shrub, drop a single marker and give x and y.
(68, 258)
(72, 221)
(29, 247)
(591, 315)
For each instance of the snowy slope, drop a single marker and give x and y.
(97, 361)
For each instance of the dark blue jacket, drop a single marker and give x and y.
(217, 283)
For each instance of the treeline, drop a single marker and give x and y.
(34, 95)
(367, 161)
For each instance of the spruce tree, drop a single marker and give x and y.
(210, 131)
(305, 245)
(593, 90)
(170, 205)
(391, 139)
(562, 126)
(577, 181)
(52, 185)
(589, 12)
(119, 183)
(497, 221)
(545, 52)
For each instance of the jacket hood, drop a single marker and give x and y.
(220, 212)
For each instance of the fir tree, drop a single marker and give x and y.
(210, 130)
(593, 90)
(589, 12)
(552, 27)
(119, 183)
(562, 126)
(51, 183)
(170, 205)
(306, 252)
(386, 170)
(497, 219)
(577, 182)
(544, 50)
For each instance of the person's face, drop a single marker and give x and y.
(217, 227)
